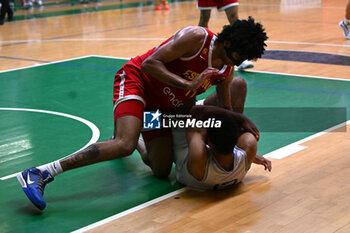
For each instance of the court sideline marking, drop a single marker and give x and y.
(296, 147)
(129, 211)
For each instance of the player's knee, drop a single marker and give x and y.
(161, 168)
(125, 147)
(239, 83)
(161, 172)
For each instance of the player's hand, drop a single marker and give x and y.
(206, 74)
(249, 126)
(262, 161)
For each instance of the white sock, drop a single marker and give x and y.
(54, 168)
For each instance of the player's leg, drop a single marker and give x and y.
(345, 24)
(205, 7)
(232, 13)
(204, 18)
(157, 151)
(124, 143)
(34, 180)
(238, 92)
(4, 8)
(128, 124)
(160, 155)
(127, 128)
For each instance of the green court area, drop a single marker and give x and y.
(285, 109)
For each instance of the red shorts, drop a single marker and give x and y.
(127, 86)
(129, 100)
(219, 4)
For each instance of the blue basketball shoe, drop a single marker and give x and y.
(33, 183)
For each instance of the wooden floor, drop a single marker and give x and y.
(308, 191)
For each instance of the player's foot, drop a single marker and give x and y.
(33, 183)
(165, 5)
(10, 15)
(245, 65)
(346, 29)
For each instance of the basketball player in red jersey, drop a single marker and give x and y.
(165, 79)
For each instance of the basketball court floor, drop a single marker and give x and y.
(56, 79)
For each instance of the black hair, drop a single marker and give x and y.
(224, 138)
(247, 38)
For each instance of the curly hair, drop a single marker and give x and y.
(247, 38)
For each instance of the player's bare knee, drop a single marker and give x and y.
(125, 147)
(161, 172)
(161, 166)
(239, 83)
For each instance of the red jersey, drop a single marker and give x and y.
(158, 95)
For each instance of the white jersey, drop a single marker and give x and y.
(215, 176)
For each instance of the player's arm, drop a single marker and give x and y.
(197, 153)
(204, 112)
(223, 91)
(184, 43)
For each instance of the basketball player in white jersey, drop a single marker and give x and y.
(215, 158)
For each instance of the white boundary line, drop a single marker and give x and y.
(64, 60)
(95, 131)
(45, 64)
(296, 147)
(129, 211)
(123, 58)
(299, 75)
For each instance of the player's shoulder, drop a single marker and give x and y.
(194, 32)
